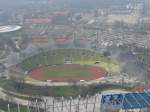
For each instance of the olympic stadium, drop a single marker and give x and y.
(9, 28)
(67, 65)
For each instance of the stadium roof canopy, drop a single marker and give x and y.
(9, 28)
(136, 100)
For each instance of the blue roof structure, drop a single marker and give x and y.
(136, 100)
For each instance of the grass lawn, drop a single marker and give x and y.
(59, 91)
(67, 71)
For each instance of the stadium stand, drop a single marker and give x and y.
(58, 56)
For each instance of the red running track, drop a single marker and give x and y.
(97, 73)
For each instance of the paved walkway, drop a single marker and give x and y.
(111, 80)
(14, 100)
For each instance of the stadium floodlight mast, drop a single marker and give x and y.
(78, 105)
(62, 104)
(86, 105)
(70, 104)
(8, 108)
(18, 107)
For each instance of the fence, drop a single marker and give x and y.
(88, 104)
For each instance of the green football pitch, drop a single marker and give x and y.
(66, 71)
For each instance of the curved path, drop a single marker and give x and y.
(51, 83)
